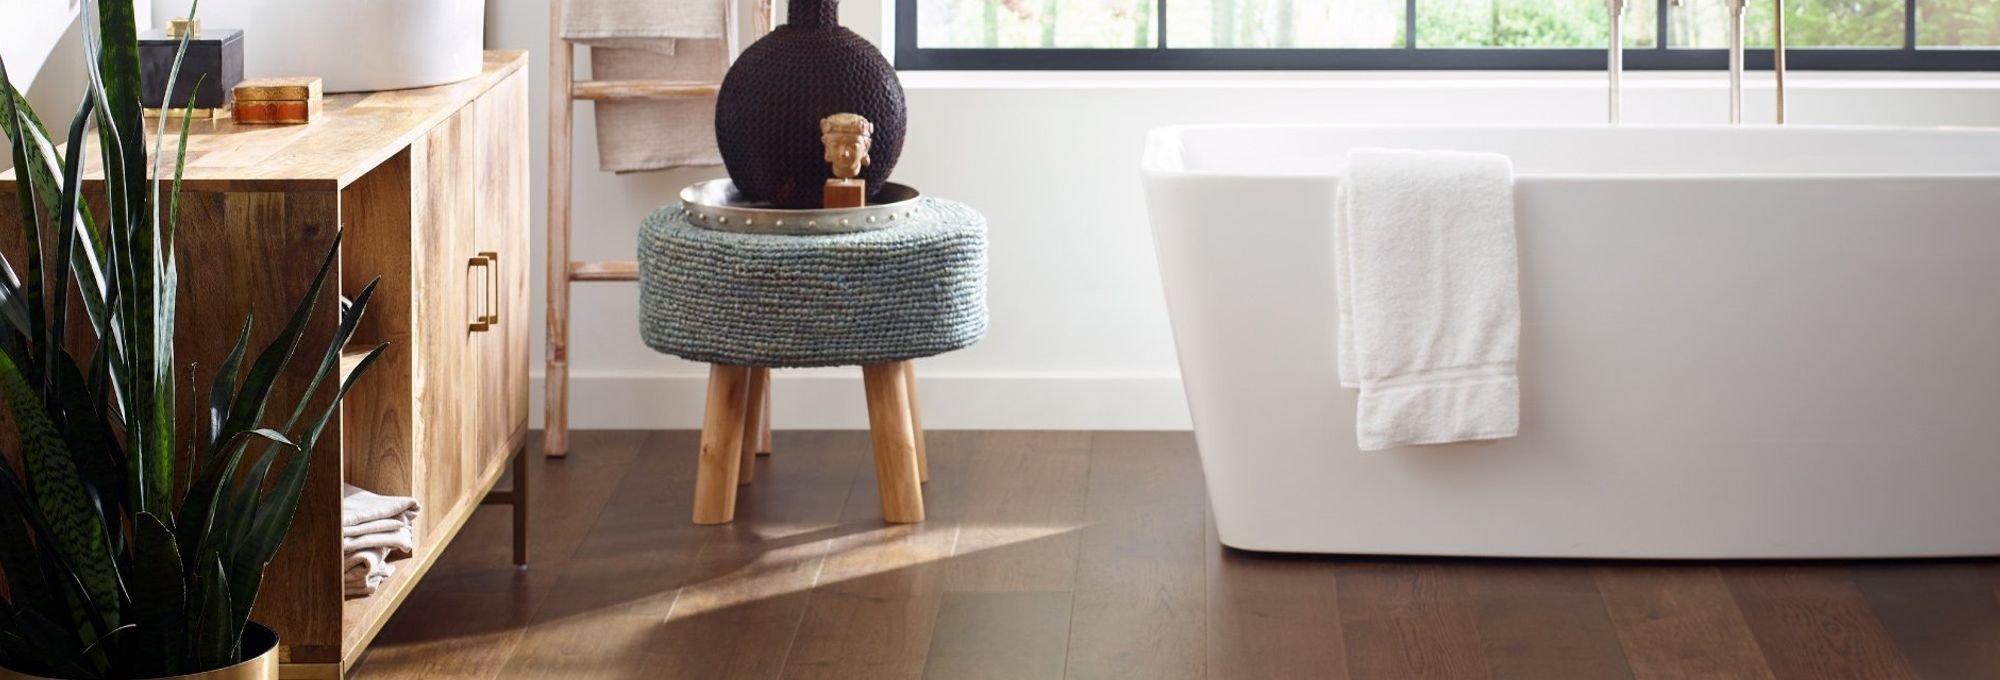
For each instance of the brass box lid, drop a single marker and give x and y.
(304, 88)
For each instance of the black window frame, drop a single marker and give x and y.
(1411, 57)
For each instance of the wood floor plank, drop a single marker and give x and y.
(622, 581)
(1408, 619)
(1090, 555)
(1680, 623)
(1140, 591)
(1000, 636)
(464, 619)
(1020, 517)
(1543, 621)
(1272, 616)
(1812, 623)
(880, 585)
(751, 583)
(1941, 614)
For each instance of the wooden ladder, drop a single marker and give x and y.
(564, 92)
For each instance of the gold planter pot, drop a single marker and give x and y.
(262, 666)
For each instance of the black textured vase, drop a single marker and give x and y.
(767, 114)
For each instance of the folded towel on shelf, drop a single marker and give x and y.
(365, 570)
(401, 540)
(373, 527)
(673, 40)
(1427, 282)
(359, 506)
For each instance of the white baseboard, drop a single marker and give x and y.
(834, 401)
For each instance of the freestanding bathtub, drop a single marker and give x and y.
(1736, 343)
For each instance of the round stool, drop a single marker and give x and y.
(745, 303)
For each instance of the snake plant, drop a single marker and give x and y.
(118, 563)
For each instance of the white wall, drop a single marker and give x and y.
(42, 43)
(1079, 336)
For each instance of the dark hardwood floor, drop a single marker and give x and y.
(1091, 555)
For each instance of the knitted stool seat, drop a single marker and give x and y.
(907, 291)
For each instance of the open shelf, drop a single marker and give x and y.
(362, 617)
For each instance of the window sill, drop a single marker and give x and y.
(1441, 80)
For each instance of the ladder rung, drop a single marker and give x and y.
(641, 89)
(603, 270)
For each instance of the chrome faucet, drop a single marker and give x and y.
(1778, 57)
(1616, 54)
(1736, 62)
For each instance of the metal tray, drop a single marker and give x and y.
(716, 204)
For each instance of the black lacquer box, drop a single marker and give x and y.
(212, 68)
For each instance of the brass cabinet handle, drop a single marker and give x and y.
(481, 322)
(492, 287)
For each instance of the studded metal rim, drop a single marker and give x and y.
(716, 204)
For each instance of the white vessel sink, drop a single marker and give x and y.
(352, 45)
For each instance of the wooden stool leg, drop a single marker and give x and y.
(916, 420)
(753, 422)
(764, 416)
(721, 444)
(895, 442)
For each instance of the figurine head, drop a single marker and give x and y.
(847, 137)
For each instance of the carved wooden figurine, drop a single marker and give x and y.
(847, 137)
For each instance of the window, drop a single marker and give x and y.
(1436, 34)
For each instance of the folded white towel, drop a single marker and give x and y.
(399, 540)
(1429, 296)
(359, 506)
(365, 570)
(374, 527)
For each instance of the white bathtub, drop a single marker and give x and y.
(1736, 343)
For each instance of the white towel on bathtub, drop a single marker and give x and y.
(1428, 288)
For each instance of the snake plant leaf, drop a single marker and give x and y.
(225, 382)
(350, 319)
(199, 524)
(50, 647)
(204, 495)
(66, 212)
(75, 605)
(159, 592)
(240, 500)
(58, 491)
(166, 240)
(26, 581)
(248, 406)
(30, 179)
(14, 333)
(91, 442)
(85, 259)
(274, 515)
(118, 71)
(214, 644)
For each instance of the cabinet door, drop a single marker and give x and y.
(446, 286)
(501, 228)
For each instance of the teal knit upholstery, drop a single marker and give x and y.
(913, 290)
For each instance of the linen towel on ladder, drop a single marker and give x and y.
(673, 40)
(1427, 281)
